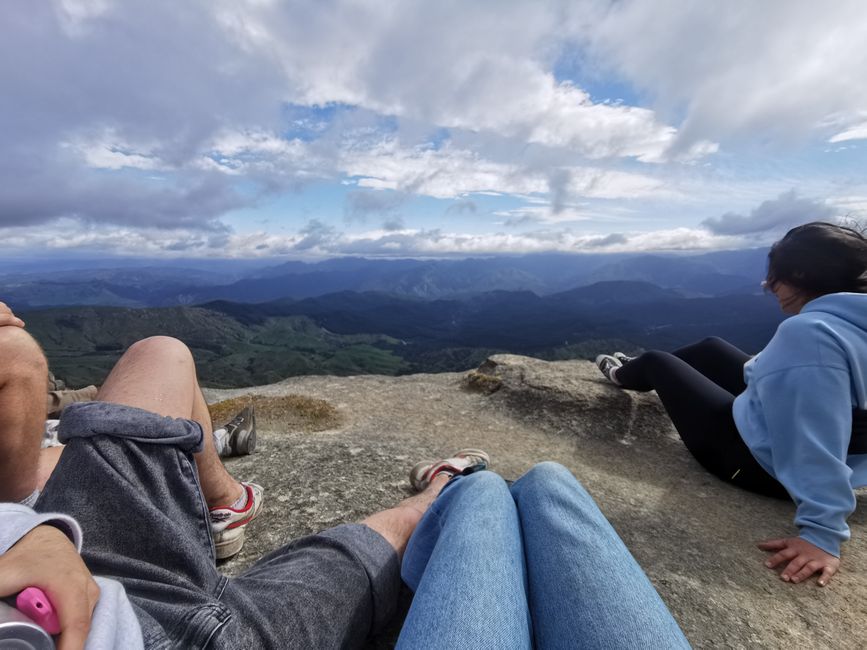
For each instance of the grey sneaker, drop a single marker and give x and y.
(240, 437)
(465, 461)
(622, 358)
(607, 364)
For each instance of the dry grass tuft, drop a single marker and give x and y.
(286, 412)
(482, 383)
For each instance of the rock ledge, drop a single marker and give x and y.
(693, 534)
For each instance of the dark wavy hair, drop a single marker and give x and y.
(819, 258)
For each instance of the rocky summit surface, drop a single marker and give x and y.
(694, 535)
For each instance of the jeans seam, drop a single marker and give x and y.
(221, 587)
(204, 521)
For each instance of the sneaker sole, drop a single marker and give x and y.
(232, 540)
(228, 548)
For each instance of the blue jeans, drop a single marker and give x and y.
(531, 565)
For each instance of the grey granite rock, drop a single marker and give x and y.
(693, 534)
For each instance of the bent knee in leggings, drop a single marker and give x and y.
(656, 356)
(719, 346)
(634, 375)
(641, 373)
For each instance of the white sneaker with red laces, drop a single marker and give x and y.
(228, 524)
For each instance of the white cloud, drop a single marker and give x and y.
(483, 66)
(852, 206)
(437, 173)
(775, 69)
(569, 119)
(451, 173)
(434, 243)
(107, 150)
(530, 214)
(74, 15)
(857, 132)
(316, 240)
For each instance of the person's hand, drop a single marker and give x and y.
(804, 559)
(45, 558)
(8, 318)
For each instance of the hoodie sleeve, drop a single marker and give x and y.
(114, 624)
(808, 413)
(18, 520)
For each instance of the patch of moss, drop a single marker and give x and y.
(482, 383)
(282, 413)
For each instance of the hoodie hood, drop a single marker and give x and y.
(851, 307)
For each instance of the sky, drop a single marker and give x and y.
(409, 128)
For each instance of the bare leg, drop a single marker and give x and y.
(397, 524)
(23, 383)
(48, 458)
(158, 374)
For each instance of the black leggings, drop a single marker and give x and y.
(697, 385)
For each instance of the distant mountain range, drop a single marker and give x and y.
(349, 332)
(711, 274)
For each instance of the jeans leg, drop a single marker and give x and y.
(586, 589)
(329, 590)
(465, 563)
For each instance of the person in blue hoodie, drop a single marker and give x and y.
(789, 422)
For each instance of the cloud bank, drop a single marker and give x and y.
(785, 212)
(151, 126)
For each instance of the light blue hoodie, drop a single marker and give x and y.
(796, 413)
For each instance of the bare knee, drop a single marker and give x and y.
(156, 374)
(23, 359)
(161, 347)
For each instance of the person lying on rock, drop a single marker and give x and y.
(139, 481)
(237, 437)
(789, 422)
(156, 375)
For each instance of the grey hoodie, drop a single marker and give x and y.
(114, 623)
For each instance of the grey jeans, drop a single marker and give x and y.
(129, 478)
